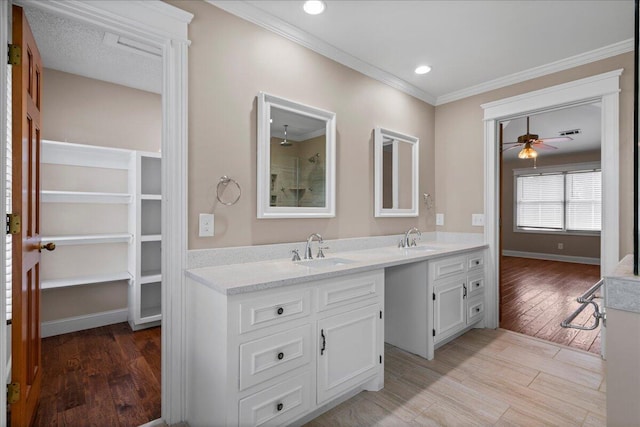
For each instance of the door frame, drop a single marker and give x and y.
(604, 88)
(164, 26)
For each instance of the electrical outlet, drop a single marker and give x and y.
(439, 219)
(560, 245)
(206, 225)
(477, 220)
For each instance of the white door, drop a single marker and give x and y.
(347, 350)
(448, 307)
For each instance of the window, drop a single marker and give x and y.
(558, 200)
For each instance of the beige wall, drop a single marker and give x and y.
(230, 61)
(582, 246)
(459, 147)
(82, 110)
(87, 111)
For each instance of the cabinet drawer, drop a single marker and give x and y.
(475, 310)
(475, 261)
(273, 309)
(279, 404)
(475, 286)
(274, 355)
(350, 289)
(448, 267)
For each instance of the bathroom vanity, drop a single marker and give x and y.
(279, 342)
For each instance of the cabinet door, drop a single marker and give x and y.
(348, 350)
(448, 307)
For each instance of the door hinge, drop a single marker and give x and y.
(13, 392)
(15, 54)
(380, 358)
(381, 314)
(434, 296)
(13, 224)
(434, 332)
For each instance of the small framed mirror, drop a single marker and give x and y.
(396, 174)
(296, 159)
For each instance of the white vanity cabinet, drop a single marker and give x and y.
(431, 301)
(275, 356)
(458, 294)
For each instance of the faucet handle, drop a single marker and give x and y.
(401, 243)
(320, 253)
(296, 255)
(413, 242)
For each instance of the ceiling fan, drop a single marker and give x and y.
(530, 140)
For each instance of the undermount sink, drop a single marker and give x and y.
(324, 262)
(421, 248)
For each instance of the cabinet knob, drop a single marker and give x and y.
(477, 309)
(279, 407)
(280, 310)
(280, 356)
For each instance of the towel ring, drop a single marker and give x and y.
(224, 182)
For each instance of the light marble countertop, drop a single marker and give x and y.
(254, 276)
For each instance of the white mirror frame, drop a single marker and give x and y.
(265, 103)
(379, 211)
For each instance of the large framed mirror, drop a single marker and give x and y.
(296, 159)
(396, 174)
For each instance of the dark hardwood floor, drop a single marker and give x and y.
(108, 376)
(537, 295)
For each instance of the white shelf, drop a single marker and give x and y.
(150, 314)
(50, 196)
(64, 153)
(151, 196)
(84, 280)
(87, 239)
(151, 238)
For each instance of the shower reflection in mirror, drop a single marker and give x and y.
(296, 157)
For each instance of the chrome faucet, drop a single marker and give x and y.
(307, 250)
(405, 242)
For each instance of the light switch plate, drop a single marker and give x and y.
(439, 219)
(477, 220)
(205, 228)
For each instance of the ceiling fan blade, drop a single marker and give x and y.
(557, 139)
(543, 145)
(510, 148)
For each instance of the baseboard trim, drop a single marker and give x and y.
(553, 257)
(80, 323)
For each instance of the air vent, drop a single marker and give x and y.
(570, 132)
(132, 46)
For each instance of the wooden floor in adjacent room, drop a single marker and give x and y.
(483, 378)
(108, 376)
(537, 295)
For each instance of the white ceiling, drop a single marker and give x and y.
(77, 48)
(586, 117)
(472, 46)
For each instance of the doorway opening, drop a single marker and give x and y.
(551, 196)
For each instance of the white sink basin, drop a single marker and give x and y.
(324, 262)
(421, 249)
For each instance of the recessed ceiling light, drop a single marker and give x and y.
(314, 7)
(423, 69)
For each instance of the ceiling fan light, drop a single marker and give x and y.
(527, 152)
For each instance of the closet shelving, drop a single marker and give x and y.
(137, 233)
(145, 302)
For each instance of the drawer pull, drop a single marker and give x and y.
(477, 309)
(324, 342)
(280, 311)
(280, 356)
(477, 262)
(464, 290)
(279, 407)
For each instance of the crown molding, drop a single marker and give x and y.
(257, 16)
(542, 70)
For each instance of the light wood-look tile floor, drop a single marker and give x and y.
(483, 378)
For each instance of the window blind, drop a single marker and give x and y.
(540, 201)
(584, 200)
